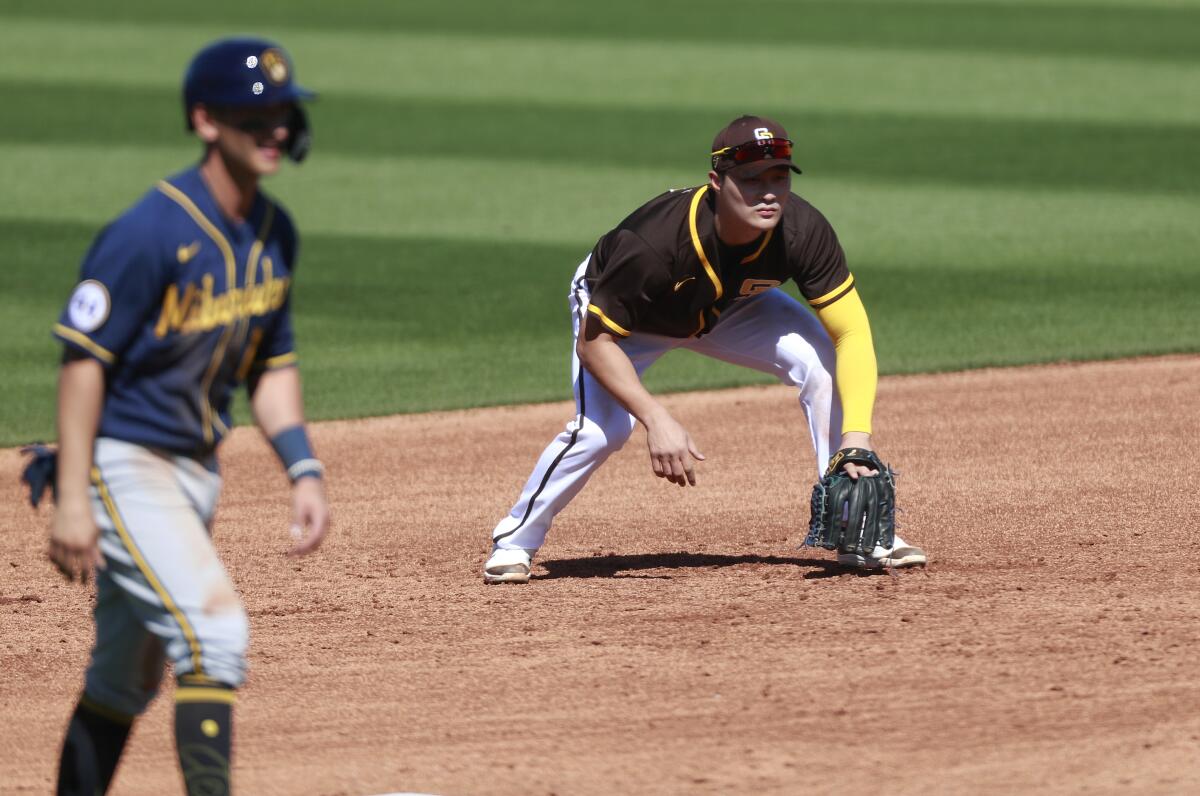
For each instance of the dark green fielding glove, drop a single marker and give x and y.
(853, 516)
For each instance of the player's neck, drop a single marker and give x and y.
(732, 232)
(232, 189)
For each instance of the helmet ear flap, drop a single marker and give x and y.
(299, 139)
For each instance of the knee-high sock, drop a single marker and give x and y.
(204, 736)
(95, 738)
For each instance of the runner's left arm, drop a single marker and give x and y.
(279, 411)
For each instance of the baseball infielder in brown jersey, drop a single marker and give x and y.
(698, 269)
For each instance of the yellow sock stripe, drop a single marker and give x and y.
(712, 275)
(105, 711)
(225, 696)
(192, 678)
(144, 567)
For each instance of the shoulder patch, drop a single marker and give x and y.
(89, 306)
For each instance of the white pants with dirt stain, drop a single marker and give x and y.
(770, 332)
(162, 593)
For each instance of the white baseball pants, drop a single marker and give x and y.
(163, 593)
(770, 332)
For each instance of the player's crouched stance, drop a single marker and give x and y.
(182, 298)
(697, 269)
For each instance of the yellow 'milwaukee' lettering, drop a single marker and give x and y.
(200, 311)
(174, 309)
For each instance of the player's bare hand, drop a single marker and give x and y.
(857, 439)
(310, 515)
(857, 470)
(672, 452)
(74, 537)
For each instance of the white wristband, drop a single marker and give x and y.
(305, 467)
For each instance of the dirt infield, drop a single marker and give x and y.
(678, 641)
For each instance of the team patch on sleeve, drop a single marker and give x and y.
(89, 306)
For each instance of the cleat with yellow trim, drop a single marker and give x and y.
(508, 565)
(899, 556)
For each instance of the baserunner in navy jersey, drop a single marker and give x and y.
(180, 300)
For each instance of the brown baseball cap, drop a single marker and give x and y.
(752, 144)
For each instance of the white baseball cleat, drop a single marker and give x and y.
(902, 554)
(508, 565)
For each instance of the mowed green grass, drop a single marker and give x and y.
(1013, 182)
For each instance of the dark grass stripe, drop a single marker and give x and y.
(383, 325)
(937, 149)
(1029, 27)
(930, 319)
(410, 325)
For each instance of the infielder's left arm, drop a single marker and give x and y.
(857, 374)
(279, 411)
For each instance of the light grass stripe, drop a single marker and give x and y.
(894, 224)
(615, 74)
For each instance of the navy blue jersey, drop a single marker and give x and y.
(180, 305)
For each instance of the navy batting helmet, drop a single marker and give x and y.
(248, 72)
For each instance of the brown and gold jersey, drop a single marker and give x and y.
(663, 270)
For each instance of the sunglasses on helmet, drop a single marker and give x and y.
(256, 121)
(752, 152)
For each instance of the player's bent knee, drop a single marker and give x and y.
(219, 652)
(816, 390)
(604, 440)
(799, 364)
(230, 666)
(817, 381)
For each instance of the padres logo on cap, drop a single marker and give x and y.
(274, 66)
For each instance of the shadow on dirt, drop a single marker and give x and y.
(612, 566)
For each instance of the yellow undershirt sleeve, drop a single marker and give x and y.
(857, 374)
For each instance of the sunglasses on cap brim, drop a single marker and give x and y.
(752, 152)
